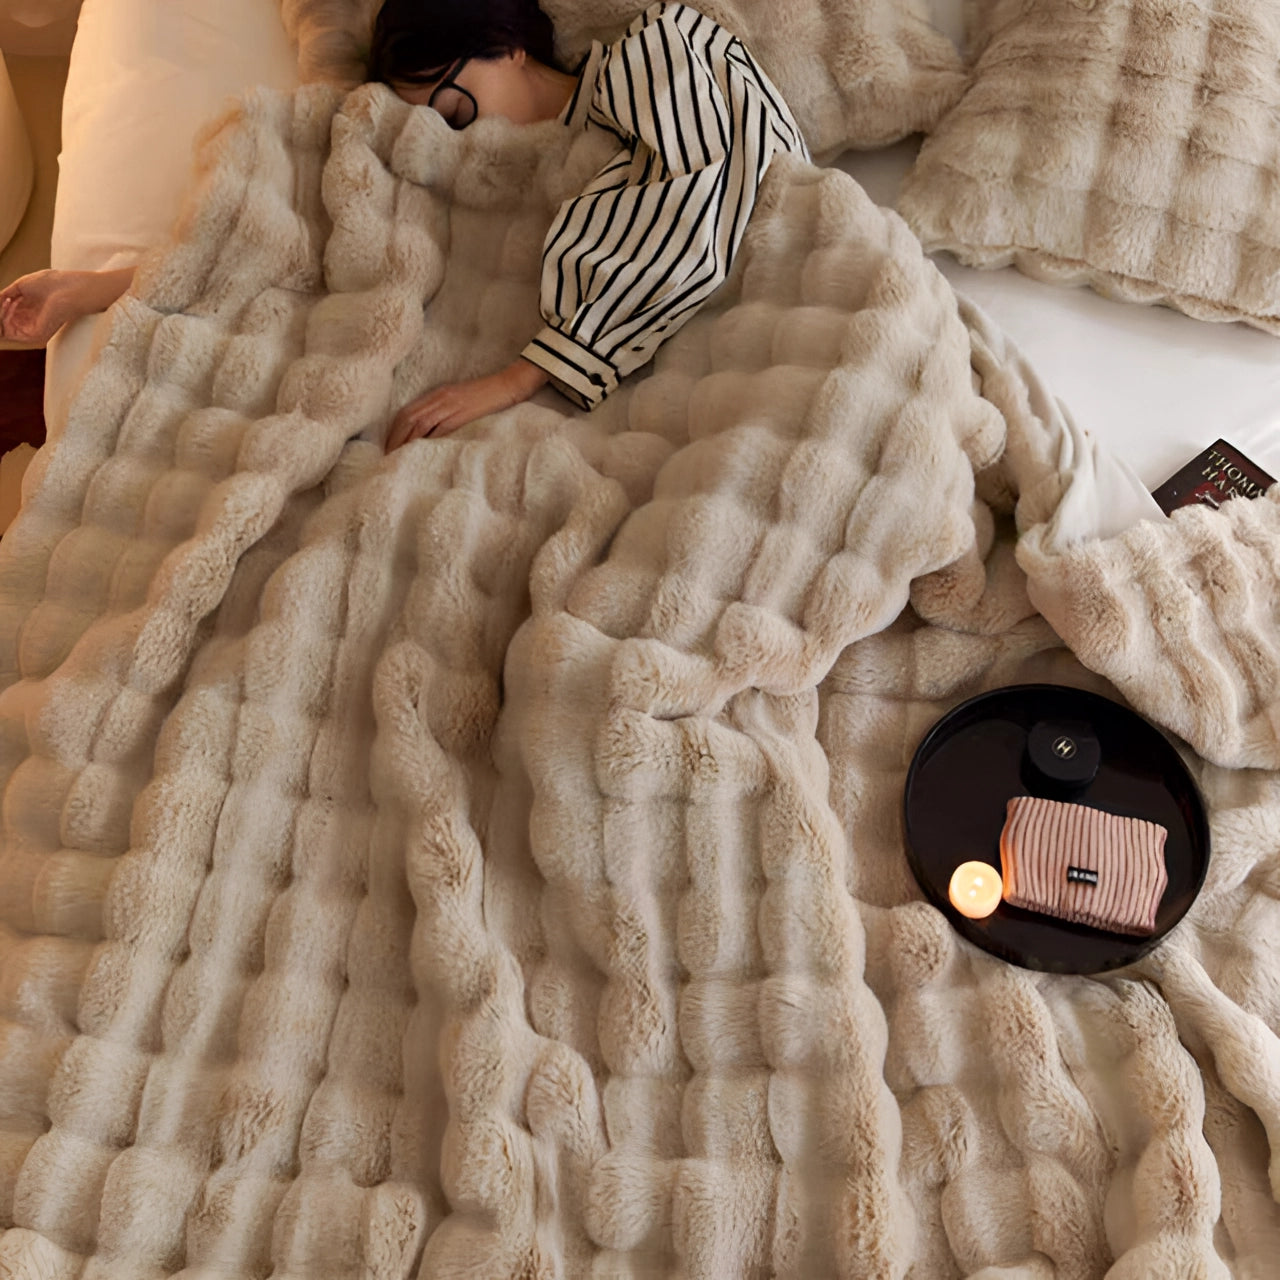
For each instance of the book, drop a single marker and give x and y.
(1221, 472)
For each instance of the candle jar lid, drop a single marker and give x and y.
(1064, 752)
(992, 748)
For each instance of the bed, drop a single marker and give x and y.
(489, 862)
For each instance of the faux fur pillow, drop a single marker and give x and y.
(857, 73)
(1130, 144)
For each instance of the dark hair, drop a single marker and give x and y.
(414, 41)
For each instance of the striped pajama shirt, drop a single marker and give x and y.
(631, 259)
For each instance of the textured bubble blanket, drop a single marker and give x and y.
(487, 861)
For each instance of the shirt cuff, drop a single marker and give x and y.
(576, 371)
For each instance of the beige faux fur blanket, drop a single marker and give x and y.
(486, 861)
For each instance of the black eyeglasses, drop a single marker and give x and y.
(452, 101)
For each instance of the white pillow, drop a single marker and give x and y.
(1130, 145)
(17, 169)
(144, 76)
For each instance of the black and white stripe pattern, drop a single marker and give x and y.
(628, 261)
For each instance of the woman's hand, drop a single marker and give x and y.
(454, 405)
(33, 308)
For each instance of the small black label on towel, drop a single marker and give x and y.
(1212, 477)
(1082, 875)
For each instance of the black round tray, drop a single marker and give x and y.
(974, 760)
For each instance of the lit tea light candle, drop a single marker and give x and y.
(975, 889)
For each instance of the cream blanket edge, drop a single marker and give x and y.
(487, 862)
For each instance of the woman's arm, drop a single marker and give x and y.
(99, 289)
(634, 257)
(34, 307)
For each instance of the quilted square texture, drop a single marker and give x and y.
(1128, 144)
(856, 73)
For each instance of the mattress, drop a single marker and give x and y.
(1148, 385)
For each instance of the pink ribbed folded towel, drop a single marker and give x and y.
(1081, 864)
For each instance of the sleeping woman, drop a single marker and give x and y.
(628, 261)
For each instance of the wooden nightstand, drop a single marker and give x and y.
(21, 423)
(21, 398)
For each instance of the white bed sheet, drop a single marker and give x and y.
(1150, 385)
(1153, 385)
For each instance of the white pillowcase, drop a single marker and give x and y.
(145, 75)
